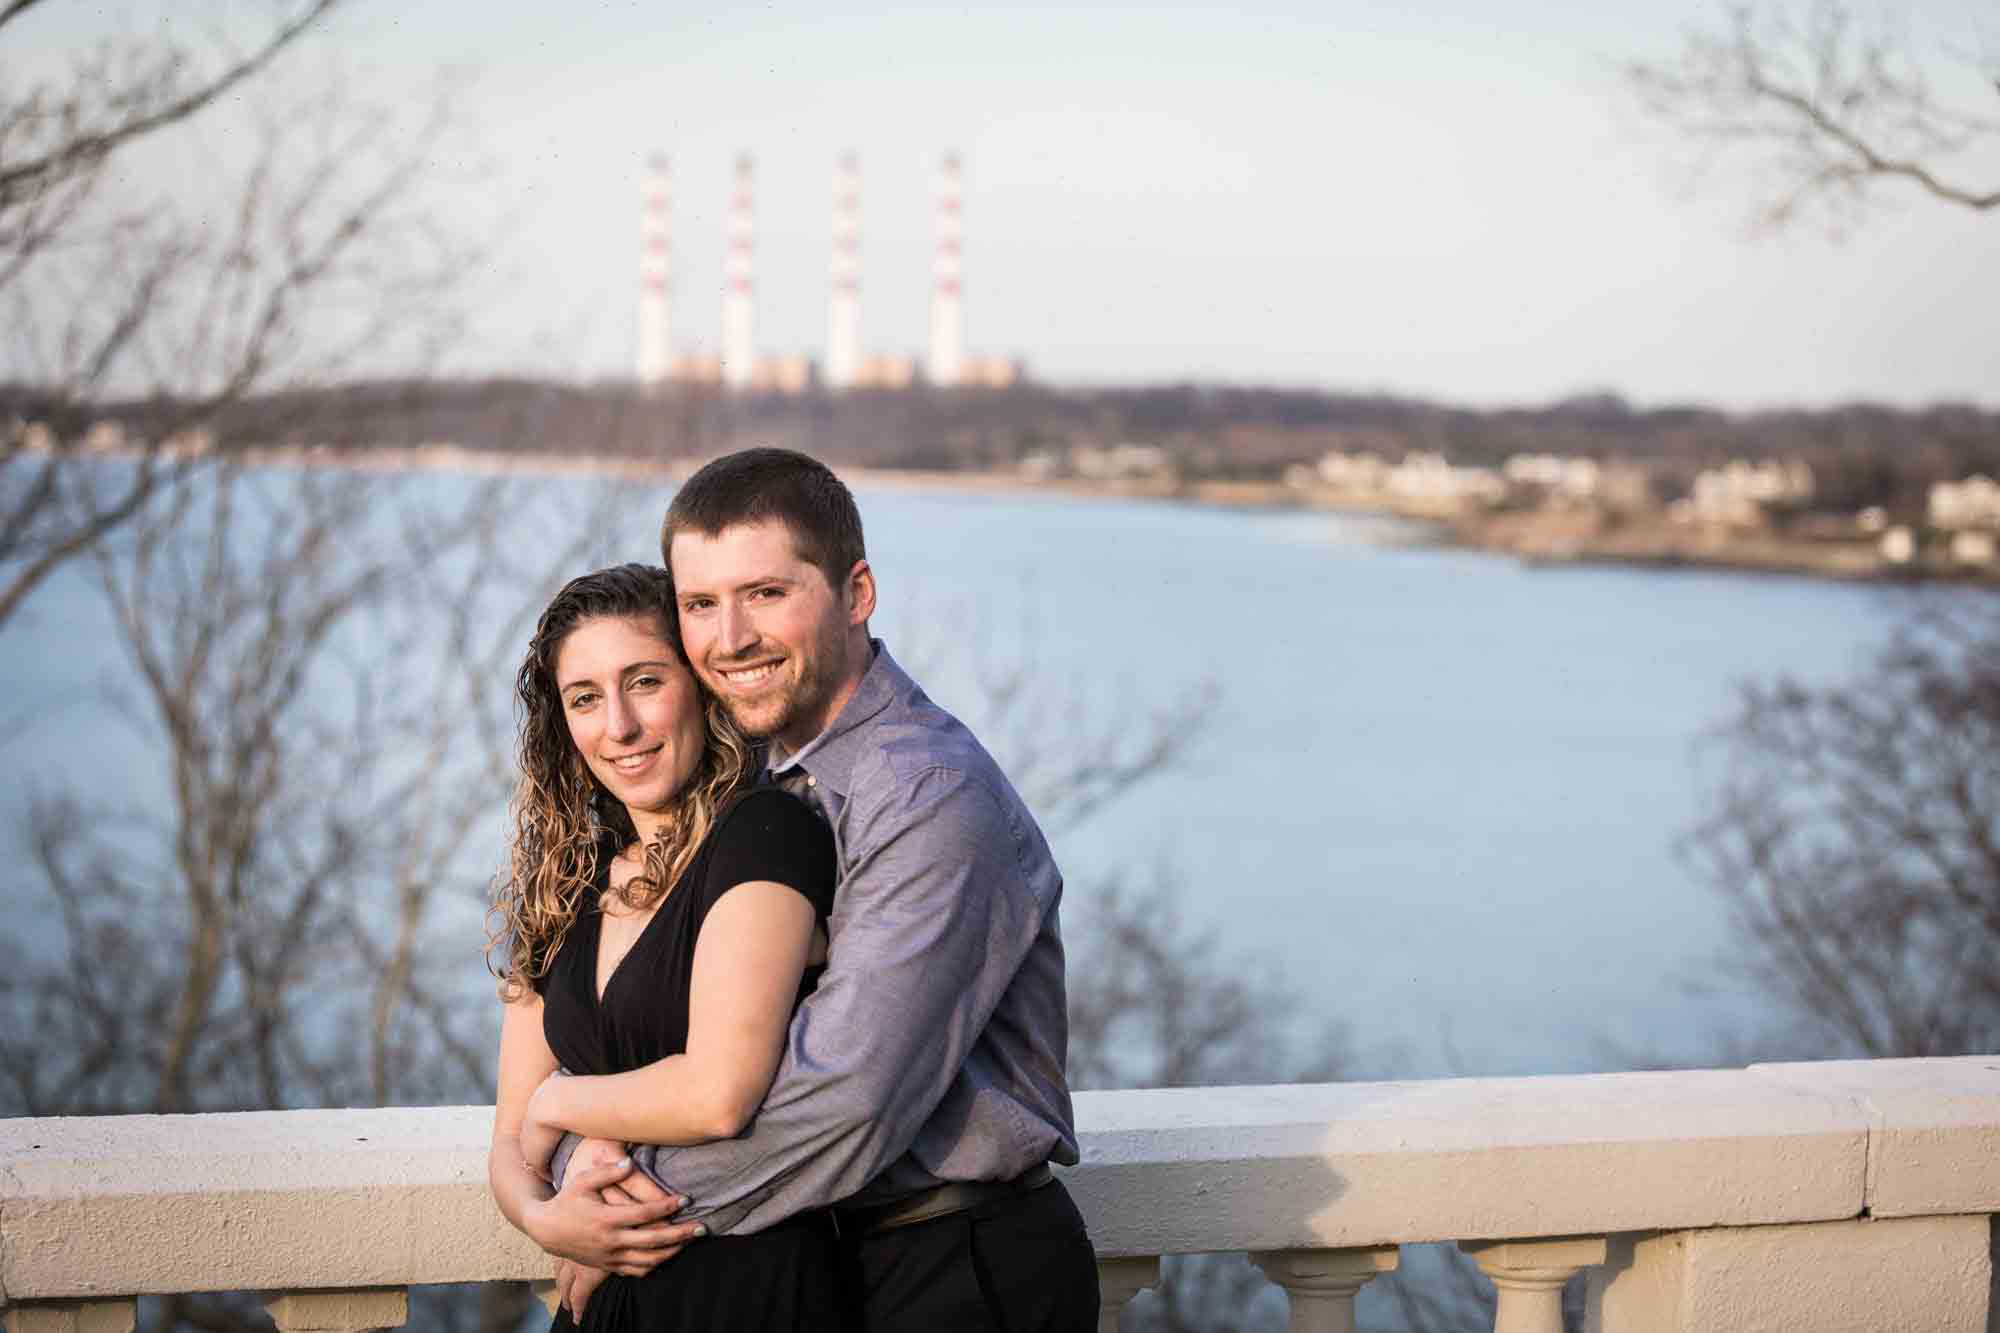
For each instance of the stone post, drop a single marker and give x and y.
(350, 1311)
(1118, 1281)
(1529, 1275)
(1322, 1283)
(73, 1317)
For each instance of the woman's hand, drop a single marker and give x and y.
(574, 1283)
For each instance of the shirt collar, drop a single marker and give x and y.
(829, 757)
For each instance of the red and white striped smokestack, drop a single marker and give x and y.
(655, 344)
(843, 331)
(739, 311)
(947, 358)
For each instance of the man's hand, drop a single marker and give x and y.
(629, 1239)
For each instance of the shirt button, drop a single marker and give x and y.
(811, 781)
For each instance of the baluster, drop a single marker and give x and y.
(73, 1317)
(1322, 1283)
(1528, 1277)
(349, 1311)
(1118, 1281)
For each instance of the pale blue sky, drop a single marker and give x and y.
(1442, 199)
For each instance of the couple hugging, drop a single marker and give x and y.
(779, 923)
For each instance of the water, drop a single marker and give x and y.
(1436, 794)
(1439, 791)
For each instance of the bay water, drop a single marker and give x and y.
(1438, 793)
(1431, 793)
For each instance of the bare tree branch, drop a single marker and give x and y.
(1826, 111)
(14, 10)
(145, 108)
(324, 258)
(1855, 831)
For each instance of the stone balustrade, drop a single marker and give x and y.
(1840, 1196)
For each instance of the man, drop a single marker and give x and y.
(922, 1087)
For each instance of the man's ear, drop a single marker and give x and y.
(860, 592)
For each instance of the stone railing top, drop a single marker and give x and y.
(305, 1199)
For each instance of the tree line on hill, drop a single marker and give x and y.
(1861, 454)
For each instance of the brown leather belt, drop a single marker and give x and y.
(954, 1196)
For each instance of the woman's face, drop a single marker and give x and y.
(633, 710)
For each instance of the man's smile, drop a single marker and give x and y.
(745, 677)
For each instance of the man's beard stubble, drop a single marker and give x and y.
(765, 717)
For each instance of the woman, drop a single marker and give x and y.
(660, 920)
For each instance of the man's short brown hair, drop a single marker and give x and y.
(757, 485)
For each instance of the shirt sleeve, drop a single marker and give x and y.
(771, 835)
(933, 918)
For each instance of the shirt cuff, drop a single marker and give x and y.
(560, 1162)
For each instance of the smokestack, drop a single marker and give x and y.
(655, 345)
(843, 331)
(947, 359)
(739, 333)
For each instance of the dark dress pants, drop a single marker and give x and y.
(1016, 1265)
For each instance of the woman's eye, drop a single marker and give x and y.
(578, 702)
(644, 682)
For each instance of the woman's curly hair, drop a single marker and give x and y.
(565, 824)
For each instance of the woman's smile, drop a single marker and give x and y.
(632, 763)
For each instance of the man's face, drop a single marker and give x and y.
(766, 632)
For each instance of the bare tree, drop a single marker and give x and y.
(1154, 1004)
(322, 662)
(322, 666)
(1854, 829)
(285, 270)
(1830, 111)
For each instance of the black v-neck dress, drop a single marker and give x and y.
(779, 1279)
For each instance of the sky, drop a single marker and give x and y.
(1441, 199)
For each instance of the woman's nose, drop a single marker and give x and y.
(620, 721)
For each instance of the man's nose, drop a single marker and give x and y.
(737, 633)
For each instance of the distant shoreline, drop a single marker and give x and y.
(1543, 538)
(1533, 537)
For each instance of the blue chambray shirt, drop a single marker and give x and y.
(933, 1047)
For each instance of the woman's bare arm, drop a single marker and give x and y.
(525, 1060)
(575, 1224)
(752, 950)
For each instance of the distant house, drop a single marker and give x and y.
(1973, 503)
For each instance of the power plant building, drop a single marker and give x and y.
(843, 323)
(739, 367)
(655, 330)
